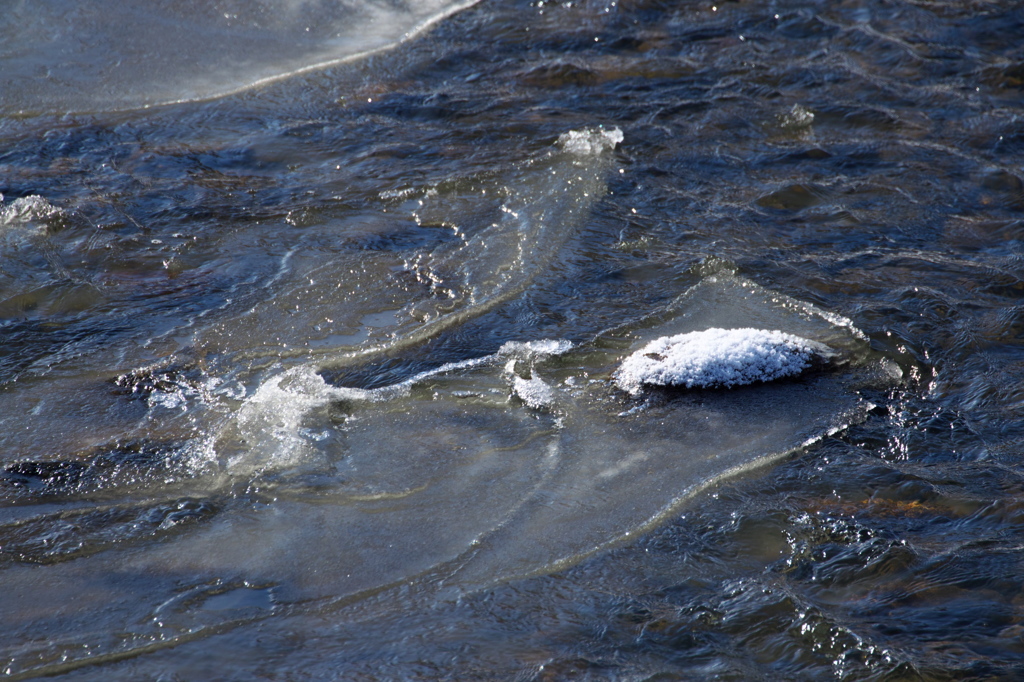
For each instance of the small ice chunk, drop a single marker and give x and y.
(535, 349)
(271, 420)
(534, 392)
(797, 117)
(719, 358)
(27, 210)
(590, 141)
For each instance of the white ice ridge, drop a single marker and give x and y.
(718, 358)
(590, 141)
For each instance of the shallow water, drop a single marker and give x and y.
(314, 380)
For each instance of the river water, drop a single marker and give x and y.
(311, 313)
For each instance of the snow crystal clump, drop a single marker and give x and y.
(716, 358)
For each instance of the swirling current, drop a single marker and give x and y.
(313, 315)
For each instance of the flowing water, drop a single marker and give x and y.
(311, 314)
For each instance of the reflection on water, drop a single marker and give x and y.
(318, 379)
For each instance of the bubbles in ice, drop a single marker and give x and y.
(719, 358)
(590, 141)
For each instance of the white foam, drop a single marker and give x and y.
(718, 358)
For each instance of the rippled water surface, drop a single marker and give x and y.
(308, 352)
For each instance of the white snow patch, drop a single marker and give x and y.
(718, 358)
